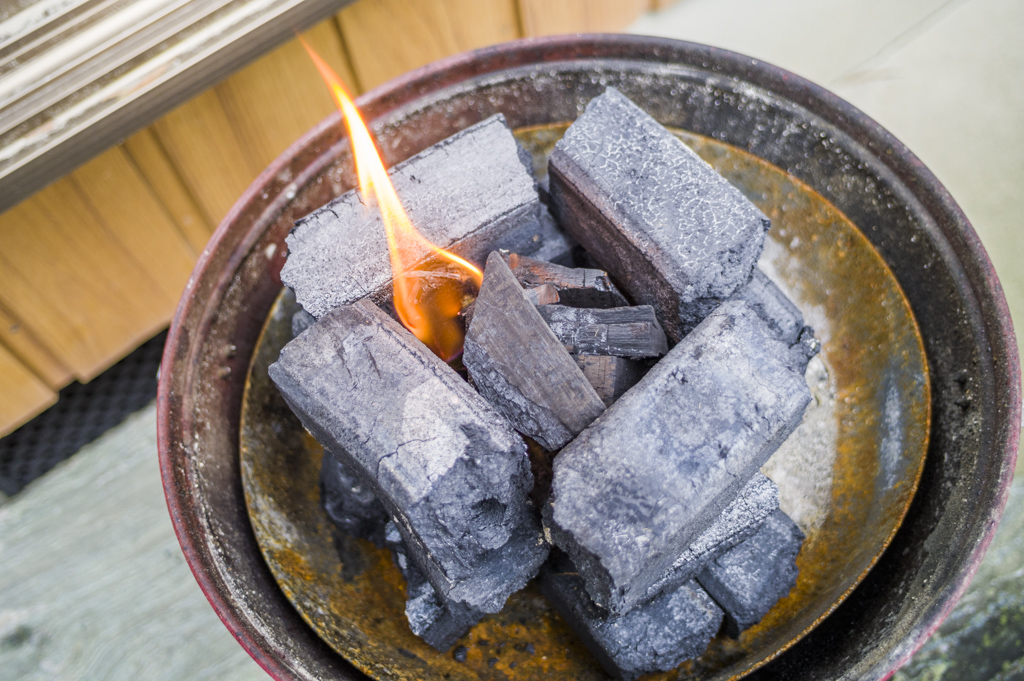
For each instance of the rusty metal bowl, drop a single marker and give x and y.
(924, 239)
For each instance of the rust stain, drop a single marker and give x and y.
(354, 597)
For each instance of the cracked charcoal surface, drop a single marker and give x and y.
(631, 332)
(520, 367)
(577, 286)
(349, 503)
(782, 315)
(749, 579)
(656, 636)
(443, 462)
(739, 521)
(672, 231)
(438, 622)
(469, 193)
(637, 487)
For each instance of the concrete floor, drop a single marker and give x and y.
(96, 588)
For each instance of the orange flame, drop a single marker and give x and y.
(428, 281)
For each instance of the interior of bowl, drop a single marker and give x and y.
(819, 140)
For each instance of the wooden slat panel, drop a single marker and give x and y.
(24, 345)
(389, 37)
(550, 17)
(22, 394)
(221, 140)
(126, 206)
(152, 160)
(73, 283)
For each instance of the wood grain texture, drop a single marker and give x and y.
(92, 579)
(386, 38)
(151, 159)
(221, 140)
(550, 17)
(72, 282)
(125, 204)
(22, 393)
(31, 351)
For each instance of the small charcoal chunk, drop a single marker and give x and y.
(350, 504)
(542, 295)
(739, 521)
(656, 636)
(469, 193)
(442, 461)
(519, 366)
(578, 287)
(640, 485)
(632, 332)
(610, 376)
(782, 315)
(749, 579)
(672, 231)
(435, 620)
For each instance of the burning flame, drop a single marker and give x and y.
(429, 282)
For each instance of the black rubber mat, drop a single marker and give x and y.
(82, 413)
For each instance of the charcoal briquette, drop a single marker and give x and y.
(632, 332)
(349, 503)
(445, 465)
(672, 231)
(640, 485)
(750, 578)
(577, 286)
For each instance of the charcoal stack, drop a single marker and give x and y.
(658, 388)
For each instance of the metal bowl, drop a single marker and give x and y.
(904, 212)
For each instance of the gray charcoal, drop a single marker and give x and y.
(516, 362)
(672, 231)
(301, 321)
(577, 286)
(632, 332)
(640, 485)
(545, 241)
(610, 376)
(739, 521)
(467, 193)
(438, 622)
(656, 636)
(782, 315)
(750, 578)
(443, 462)
(542, 295)
(350, 504)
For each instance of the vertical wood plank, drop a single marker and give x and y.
(31, 351)
(386, 38)
(124, 204)
(550, 17)
(153, 162)
(221, 140)
(72, 283)
(22, 394)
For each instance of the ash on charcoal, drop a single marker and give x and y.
(610, 376)
(637, 487)
(520, 367)
(437, 621)
(576, 286)
(469, 193)
(349, 503)
(656, 636)
(749, 579)
(672, 231)
(782, 315)
(738, 522)
(444, 463)
(631, 332)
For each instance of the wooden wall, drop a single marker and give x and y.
(93, 265)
